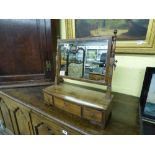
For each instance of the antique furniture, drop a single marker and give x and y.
(147, 102)
(22, 107)
(22, 111)
(27, 51)
(89, 60)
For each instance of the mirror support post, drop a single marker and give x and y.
(111, 66)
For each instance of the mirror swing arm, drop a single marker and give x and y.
(111, 66)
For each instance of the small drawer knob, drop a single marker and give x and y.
(64, 132)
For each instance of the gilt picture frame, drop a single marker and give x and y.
(146, 46)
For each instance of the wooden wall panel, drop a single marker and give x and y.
(25, 47)
(19, 45)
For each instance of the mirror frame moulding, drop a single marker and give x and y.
(109, 50)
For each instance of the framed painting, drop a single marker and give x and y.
(135, 36)
(147, 98)
(128, 29)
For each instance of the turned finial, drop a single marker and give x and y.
(115, 32)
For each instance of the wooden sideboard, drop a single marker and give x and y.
(23, 111)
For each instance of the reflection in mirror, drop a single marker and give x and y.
(83, 59)
(149, 108)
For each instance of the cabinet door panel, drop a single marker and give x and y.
(5, 112)
(23, 122)
(26, 45)
(43, 129)
(1, 117)
(15, 116)
(20, 45)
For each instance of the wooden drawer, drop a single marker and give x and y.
(59, 103)
(59, 129)
(48, 99)
(67, 106)
(97, 77)
(73, 108)
(92, 114)
(46, 126)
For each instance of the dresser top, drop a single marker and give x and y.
(124, 112)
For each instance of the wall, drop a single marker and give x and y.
(129, 73)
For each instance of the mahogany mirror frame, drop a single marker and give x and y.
(110, 59)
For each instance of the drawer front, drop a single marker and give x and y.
(73, 108)
(59, 103)
(63, 130)
(92, 114)
(48, 99)
(96, 77)
(46, 126)
(67, 106)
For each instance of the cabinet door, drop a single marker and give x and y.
(6, 116)
(1, 117)
(15, 116)
(26, 45)
(23, 122)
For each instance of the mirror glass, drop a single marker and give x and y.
(83, 59)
